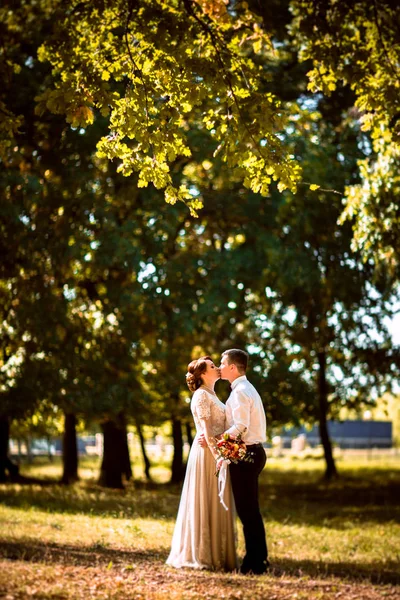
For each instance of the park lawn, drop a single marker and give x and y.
(338, 540)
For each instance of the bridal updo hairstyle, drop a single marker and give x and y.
(196, 369)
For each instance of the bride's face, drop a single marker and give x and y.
(212, 373)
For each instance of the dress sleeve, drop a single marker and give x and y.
(203, 406)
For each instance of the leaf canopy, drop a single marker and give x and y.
(155, 68)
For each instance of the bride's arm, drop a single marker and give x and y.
(210, 439)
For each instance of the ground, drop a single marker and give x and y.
(327, 541)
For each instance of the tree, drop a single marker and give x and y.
(49, 187)
(333, 317)
(357, 43)
(71, 234)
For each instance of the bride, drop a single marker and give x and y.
(204, 535)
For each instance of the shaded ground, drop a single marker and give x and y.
(298, 497)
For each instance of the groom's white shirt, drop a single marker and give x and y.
(245, 412)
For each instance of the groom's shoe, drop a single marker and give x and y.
(246, 569)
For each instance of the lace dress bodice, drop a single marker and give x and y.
(207, 406)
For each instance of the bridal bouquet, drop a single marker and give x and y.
(232, 450)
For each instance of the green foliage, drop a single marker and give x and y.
(45, 422)
(320, 296)
(357, 43)
(374, 204)
(55, 333)
(155, 69)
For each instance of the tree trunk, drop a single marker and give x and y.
(49, 452)
(189, 433)
(28, 446)
(177, 469)
(147, 464)
(7, 468)
(126, 461)
(19, 443)
(4, 443)
(70, 450)
(323, 411)
(116, 461)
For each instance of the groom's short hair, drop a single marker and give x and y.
(240, 358)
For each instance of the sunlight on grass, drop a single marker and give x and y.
(83, 530)
(89, 469)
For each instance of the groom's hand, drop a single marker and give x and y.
(202, 440)
(219, 464)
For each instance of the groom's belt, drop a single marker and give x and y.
(258, 445)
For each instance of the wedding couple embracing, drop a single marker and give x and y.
(204, 535)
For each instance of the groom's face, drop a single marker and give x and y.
(224, 368)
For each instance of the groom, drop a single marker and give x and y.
(245, 415)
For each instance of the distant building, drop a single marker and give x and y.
(86, 445)
(346, 434)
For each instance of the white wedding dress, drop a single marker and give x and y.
(204, 534)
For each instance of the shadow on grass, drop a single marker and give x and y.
(376, 573)
(301, 498)
(25, 480)
(286, 497)
(96, 555)
(101, 556)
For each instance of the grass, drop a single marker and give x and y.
(327, 541)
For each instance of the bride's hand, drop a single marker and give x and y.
(202, 440)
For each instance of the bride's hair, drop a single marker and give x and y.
(195, 370)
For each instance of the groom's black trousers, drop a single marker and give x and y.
(244, 478)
